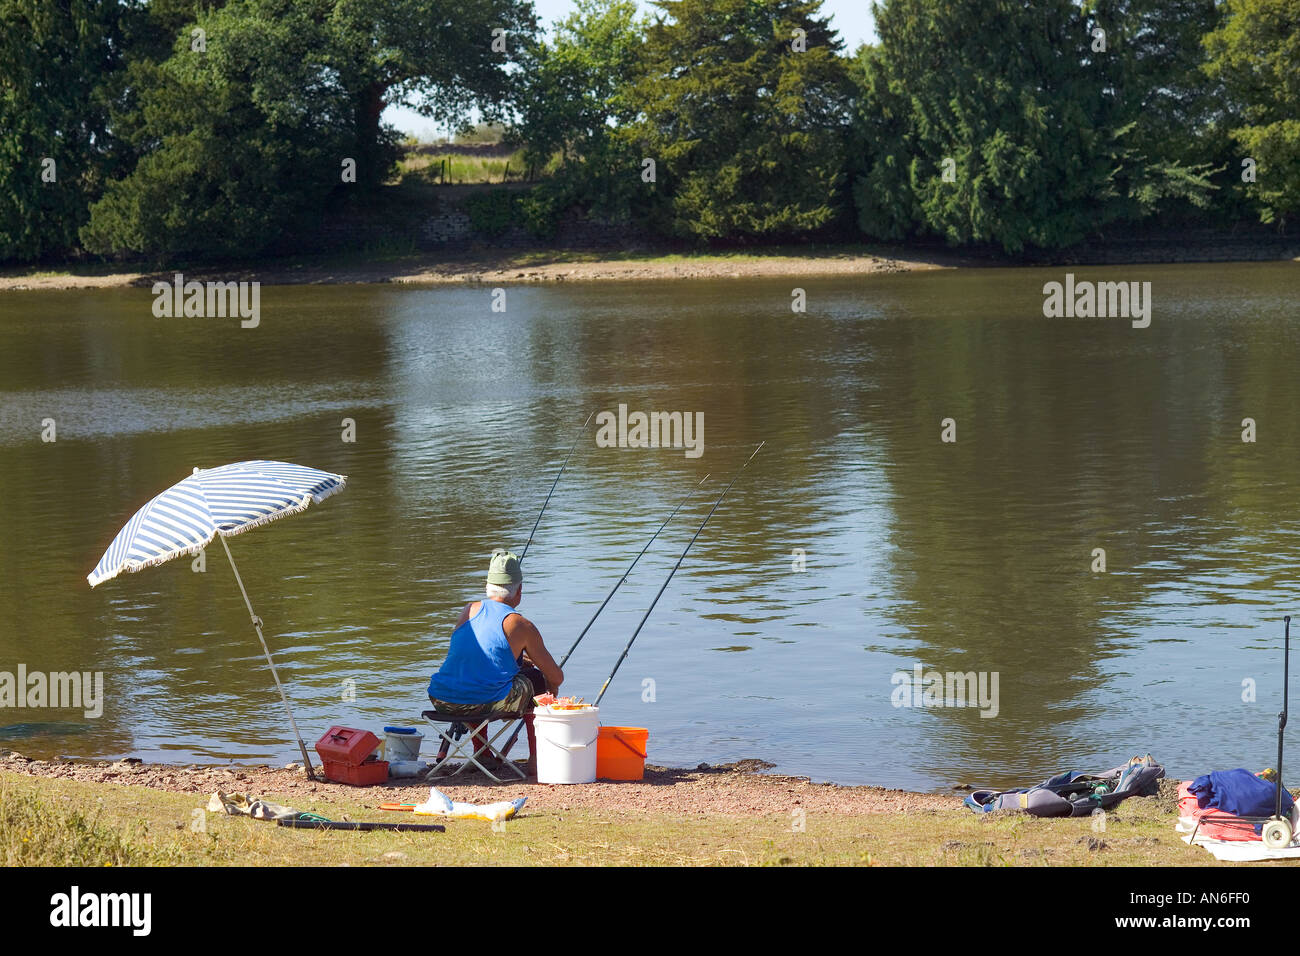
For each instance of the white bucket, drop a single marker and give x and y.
(402, 746)
(566, 744)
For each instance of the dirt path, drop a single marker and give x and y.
(738, 788)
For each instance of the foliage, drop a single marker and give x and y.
(247, 137)
(539, 211)
(494, 211)
(482, 133)
(491, 212)
(169, 149)
(574, 95)
(1047, 135)
(56, 65)
(747, 131)
(237, 139)
(435, 56)
(1255, 54)
(1013, 124)
(1156, 94)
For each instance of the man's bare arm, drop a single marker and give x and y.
(521, 633)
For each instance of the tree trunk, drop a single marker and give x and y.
(371, 161)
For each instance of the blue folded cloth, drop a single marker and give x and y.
(1239, 792)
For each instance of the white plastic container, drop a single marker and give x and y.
(402, 746)
(406, 768)
(566, 744)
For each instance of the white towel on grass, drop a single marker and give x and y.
(1244, 851)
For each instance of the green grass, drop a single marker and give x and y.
(58, 822)
(426, 168)
(37, 832)
(87, 268)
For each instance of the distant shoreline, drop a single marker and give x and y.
(515, 266)
(496, 267)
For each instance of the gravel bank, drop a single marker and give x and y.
(739, 788)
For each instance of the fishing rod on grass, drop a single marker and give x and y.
(605, 686)
(619, 583)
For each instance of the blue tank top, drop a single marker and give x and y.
(479, 666)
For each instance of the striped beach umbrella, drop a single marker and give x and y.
(217, 503)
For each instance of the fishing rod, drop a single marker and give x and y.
(515, 736)
(572, 448)
(689, 495)
(553, 484)
(565, 465)
(605, 686)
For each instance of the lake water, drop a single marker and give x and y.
(970, 556)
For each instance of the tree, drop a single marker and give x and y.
(436, 56)
(244, 136)
(991, 124)
(239, 135)
(56, 61)
(743, 106)
(574, 93)
(884, 146)
(1255, 53)
(1157, 95)
(1007, 122)
(571, 94)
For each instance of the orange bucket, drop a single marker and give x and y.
(620, 753)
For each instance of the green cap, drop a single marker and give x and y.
(504, 569)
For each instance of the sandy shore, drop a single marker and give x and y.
(739, 788)
(500, 268)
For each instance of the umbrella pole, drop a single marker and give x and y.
(257, 625)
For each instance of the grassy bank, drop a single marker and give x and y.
(56, 822)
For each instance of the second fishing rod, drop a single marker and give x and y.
(605, 686)
(617, 584)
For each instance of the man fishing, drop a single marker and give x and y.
(497, 661)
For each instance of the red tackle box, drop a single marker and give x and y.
(348, 755)
(361, 775)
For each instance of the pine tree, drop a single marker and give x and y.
(743, 105)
